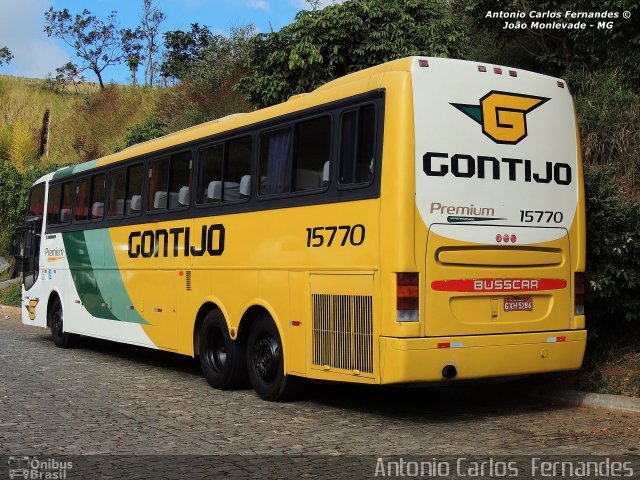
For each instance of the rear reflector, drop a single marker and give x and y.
(450, 345)
(556, 339)
(578, 297)
(407, 297)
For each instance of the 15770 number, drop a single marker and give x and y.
(540, 216)
(317, 236)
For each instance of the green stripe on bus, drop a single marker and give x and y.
(63, 172)
(109, 278)
(71, 169)
(96, 276)
(83, 275)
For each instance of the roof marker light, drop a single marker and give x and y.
(497, 70)
(513, 73)
(560, 84)
(423, 63)
(482, 68)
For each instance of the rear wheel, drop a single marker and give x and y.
(222, 360)
(61, 338)
(265, 362)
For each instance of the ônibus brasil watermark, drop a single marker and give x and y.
(35, 468)
(558, 20)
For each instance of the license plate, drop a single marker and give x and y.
(518, 304)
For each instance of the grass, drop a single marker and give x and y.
(83, 125)
(11, 295)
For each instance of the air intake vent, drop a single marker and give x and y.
(187, 277)
(342, 332)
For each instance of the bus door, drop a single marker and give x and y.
(25, 248)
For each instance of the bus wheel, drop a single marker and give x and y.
(222, 360)
(265, 362)
(61, 338)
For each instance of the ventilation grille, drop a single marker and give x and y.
(342, 332)
(187, 279)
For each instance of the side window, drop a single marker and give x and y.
(135, 181)
(158, 184)
(312, 154)
(97, 197)
(357, 146)
(210, 174)
(117, 184)
(67, 202)
(53, 205)
(231, 160)
(82, 200)
(36, 201)
(237, 173)
(180, 191)
(275, 161)
(296, 159)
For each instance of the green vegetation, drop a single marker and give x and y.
(11, 295)
(339, 39)
(150, 128)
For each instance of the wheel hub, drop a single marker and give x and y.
(266, 358)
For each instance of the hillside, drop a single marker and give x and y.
(80, 125)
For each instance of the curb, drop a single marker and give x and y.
(594, 400)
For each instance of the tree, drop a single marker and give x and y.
(324, 44)
(207, 74)
(132, 47)
(96, 42)
(152, 17)
(69, 73)
(5, 56)
(560, 50)
(183, 50)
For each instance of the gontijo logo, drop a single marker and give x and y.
(502, 115)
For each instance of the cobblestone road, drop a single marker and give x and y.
(112, 399)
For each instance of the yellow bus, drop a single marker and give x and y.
(422, 220)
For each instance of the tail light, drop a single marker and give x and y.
(578, 298)
(407, 297)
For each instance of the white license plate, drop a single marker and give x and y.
(518, 304)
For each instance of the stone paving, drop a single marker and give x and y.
(107, 398)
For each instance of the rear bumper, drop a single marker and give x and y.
(406, 360)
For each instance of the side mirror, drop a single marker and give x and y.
(16, 250)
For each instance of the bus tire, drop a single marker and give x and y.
(222, 360)
(61, 338)
(265, 363)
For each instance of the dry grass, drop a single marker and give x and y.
(82, 125)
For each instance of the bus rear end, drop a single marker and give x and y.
(499, 199)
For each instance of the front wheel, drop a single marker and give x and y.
(61, 338)
(265, 362)
(222, 360)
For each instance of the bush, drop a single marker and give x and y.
(15, 186)
(150, 128)
(613, 258)
(609, 119)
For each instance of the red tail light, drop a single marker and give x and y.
(407, 297)
(578, 298)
